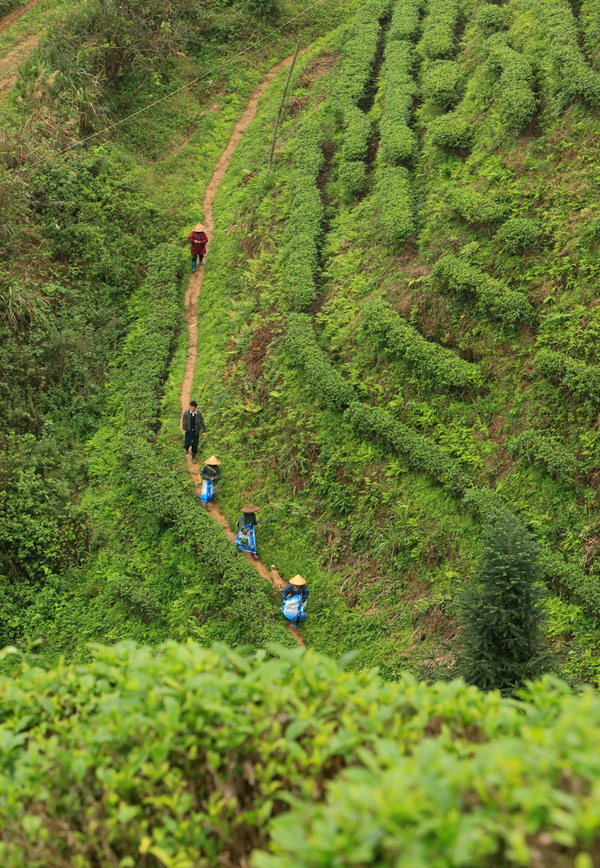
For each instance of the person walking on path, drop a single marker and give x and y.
(192, 424)
(210, 475)
(246, 537)
(198, 240)
(294, 597)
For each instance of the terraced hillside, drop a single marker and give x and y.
(402, 318)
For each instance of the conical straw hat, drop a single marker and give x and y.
(199, 227)
(250, 508)
(298, 580)
(212, 460)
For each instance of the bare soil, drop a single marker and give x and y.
(191, 314)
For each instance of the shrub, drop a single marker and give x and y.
(183, 755)
(455, 276)
(519, 234)
(261, 8)
(406, 20)
(422, 808)
(318, 371)
(394, 197)
(439, 28)
(423, 454)
(557, 40)
(476, 208)
(451, 132)
(356, 63)
(576, 377)
(398, 142)
(516, 99)
(299, 257)
(500, 644)
(589, 16)
(492, 18)
(434, 364)
(442, 83)
(353, 179)
(357, 130)
(509, 306)
(534, 446)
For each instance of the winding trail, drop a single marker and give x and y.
(191, 313)
(11, 63)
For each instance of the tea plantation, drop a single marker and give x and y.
(397, 360)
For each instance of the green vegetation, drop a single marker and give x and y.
(184, 756)
(500, 644)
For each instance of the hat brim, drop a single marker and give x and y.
(212, 460)
(297, 580)
(250, 508)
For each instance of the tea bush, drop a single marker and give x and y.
(556, 36)
(318, 371)
(299, 257)
(476, 208)
(519, 234)
(435, 806)
(492, 18)
(354, 73)
(534, 446)
(357, 130)
(356, 64)
(398, 89)
(455, 276)
(439, 27)
(395, 203)
(516, 99)
(406, 20)
(422, 453)
(185, 756)
(436, 365)
(576, 377)
(589, 17)
(443, 84)
(451, 132)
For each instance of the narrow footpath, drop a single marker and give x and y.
(11, 63)
(191, 313)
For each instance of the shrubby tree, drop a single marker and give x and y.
(501, 614)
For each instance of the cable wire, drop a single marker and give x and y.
(192, 81)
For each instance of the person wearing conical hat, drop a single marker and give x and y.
(297, 586)
(246, 525)
(210, 475)
(198, 239)
(294, 597)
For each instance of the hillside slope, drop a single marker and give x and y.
(402, 313)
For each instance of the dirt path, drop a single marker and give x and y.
(191, 312)
(11, 63)
(10, 19)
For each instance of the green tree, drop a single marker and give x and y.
(501, 614)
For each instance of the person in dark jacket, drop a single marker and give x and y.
(246, 538)
(198, 240)
(210, 475)
(192, 424)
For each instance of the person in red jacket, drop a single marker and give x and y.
(198, 239)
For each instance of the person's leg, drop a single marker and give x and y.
(194, 261)
(201, 259)
(195, 447)
(187, 441)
